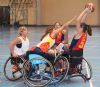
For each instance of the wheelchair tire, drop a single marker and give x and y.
(86, 69)
(8, 73)
(58, 65)
(29, 72)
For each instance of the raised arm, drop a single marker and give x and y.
(65, 26)
(68, 23)
(81, 18)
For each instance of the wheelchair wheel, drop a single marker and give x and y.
(9, 73)
(85, 69)
(61, 68)
(35, 74)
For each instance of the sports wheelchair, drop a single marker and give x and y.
(9, 73)
(78, 65)
(37, 71)
(40, 72)
(37, 76)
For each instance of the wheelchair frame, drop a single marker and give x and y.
(57, 57)
(53, 69)
(10, 59)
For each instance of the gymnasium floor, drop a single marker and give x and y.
(91, 53)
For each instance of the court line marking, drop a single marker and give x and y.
(90, 81)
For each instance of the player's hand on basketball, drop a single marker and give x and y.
(90, 7)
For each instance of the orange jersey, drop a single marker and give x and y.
(46, 43)
(60, 38)
(81, 42)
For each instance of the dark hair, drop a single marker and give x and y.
(86, 28)
(49, 30)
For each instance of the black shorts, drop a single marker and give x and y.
(77, 53)
(75, 57)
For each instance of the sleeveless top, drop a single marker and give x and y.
(46, 43)
(78, 44)
(60, 38)
(20, 49)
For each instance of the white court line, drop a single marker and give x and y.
(90, 81)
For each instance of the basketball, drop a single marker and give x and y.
(91, 6)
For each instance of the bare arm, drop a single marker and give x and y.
(81, 19)
(68, 23)
(84, 18)
(12, 45)
(65, 26)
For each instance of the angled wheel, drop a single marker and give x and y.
(61, 68)
(35, 74)
(85, 69)
(9, 73)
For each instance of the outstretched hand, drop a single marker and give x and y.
(69, 22)
(90, 8)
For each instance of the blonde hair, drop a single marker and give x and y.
(21, 29)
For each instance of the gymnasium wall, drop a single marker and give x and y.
(63, 10)
(4, 2)
(31, 12)
(60, 10)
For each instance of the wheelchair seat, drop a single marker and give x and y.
(76, 56)
(38, 57)
(74, 61)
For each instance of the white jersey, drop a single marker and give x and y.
(24, 46)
